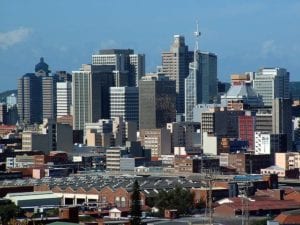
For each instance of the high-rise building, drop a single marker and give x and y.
(3, 113)
(90, 94)
(124, 101)
(272, 83)
(175, 64)
(48, 97)
(263, 121)
(158, 140)
(12, 109)
(201, 84)
(36, 95)
(192, 89)
(247, 129)
(63, 98)
(157, 100)
(29, 99)
(81, 88)
(209, 82)
(282, 118)
(125, 62)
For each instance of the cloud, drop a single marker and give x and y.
(13, 37)
(269, 48)
(108, 44)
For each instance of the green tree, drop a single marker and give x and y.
(135, 211)
(8, 212)
(259, 222)
(179, 199)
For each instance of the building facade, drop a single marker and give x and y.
(124, 101)
(272, 83)
(175, 64)
(157, 101)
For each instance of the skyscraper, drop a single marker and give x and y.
(157, 98)
(282, 118)
(90, 94)
(209, 82)
(124, 101)
(175, 64)
(49, 97)
(201, 83)
(63, 98)
(272, 83)
(36, 95)
(29, 99)
(125, 61)
(81, 92)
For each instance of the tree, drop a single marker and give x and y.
(179, 199)
(8, 212)
(136, 212)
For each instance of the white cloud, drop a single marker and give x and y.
(269, 48)
(10, 38)
(108, 44)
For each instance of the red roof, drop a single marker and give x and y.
(262, 203)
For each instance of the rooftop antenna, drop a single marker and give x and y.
(197, 34)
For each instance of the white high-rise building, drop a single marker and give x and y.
(81, 92)
(124, 101)
(63, 98)
(272, 83)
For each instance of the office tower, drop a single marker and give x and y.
(124, 101)
(263, 121)
(125, 62)
(220, 122)
(209, 82)
(81, 88)
(102, 78)
(90, 94)
(36, 95)
(192, 89)
(63, 98)
(272, 83)
(175, 64)
(157, 99)
(12, 109)
(201, 83)
(48, 97)
(183, 134)
(11, 100)
(282, 118)
(137, 68)
(158, 140)
(3, 113)
(247, 128)
(29, 99)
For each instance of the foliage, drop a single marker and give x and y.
(8, 212)
(179, 199)
(136, 212)
(259, 222)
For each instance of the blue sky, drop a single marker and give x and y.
(246, 35)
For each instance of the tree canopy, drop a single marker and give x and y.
(178, 198)
(8, 212)
(136, 212)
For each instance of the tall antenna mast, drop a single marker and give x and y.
(197, 34)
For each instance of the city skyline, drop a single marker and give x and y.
(245, 36)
